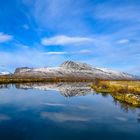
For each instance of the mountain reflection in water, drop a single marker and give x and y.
(69, 90)
(40, 111)
(66, 89)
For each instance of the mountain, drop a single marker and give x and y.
(73, 70)
(5, 73)
(75, 66)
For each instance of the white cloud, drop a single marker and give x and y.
(5, 37)
(85, 51)
(127, 12)
(64, 40)
(123, 41)
(26, 27)
(54, 53)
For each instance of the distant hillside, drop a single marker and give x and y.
(5, 73)
(71, 69)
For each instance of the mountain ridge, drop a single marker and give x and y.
(71, 69)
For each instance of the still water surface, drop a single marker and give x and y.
(64, 111)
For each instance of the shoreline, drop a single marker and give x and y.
(125, 91)
(19, 79)
(11, 79)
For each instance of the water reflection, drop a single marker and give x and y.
(74, 89)
(48, 112)
(124, 106)
(5, 86)
(66, 89)
(70, 90)
(138, 117)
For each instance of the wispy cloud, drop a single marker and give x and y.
(123, 41)
(124, 12)
(54, 53)
(26, 27)
(65, 40)
(68, 12)
(85, 51)
(5, 37)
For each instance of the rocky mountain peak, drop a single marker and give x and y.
(75, 65)
(22, 69)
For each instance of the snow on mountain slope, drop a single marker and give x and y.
(70, 69)
(4, 73)
(75, 65)
(112, 72)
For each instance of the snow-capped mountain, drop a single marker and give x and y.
(5, 73)
(70, 69)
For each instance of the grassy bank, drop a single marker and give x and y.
(117, 86)
(9, 79)
(127, 91)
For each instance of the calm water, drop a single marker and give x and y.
(65, 112)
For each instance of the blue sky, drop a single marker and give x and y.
(103, 33)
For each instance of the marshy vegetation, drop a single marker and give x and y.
(115, 86)
(126, 91)
(9, 79)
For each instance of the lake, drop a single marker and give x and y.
(65, 111)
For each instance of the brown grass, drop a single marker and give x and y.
(117, 86)
(125, 91)
(18, 79)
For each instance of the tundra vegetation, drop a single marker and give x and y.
(8, 79)
(125, 91)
